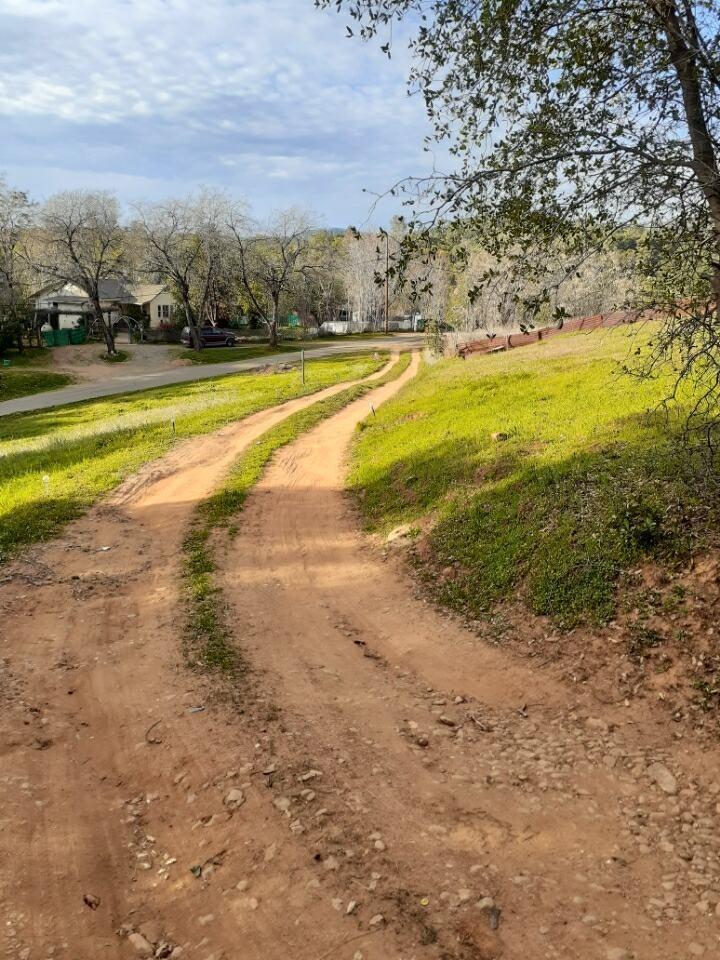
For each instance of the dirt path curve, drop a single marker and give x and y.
(479, 808)
(100, 820)
(388, 788)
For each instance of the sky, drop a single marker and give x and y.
(266, 99)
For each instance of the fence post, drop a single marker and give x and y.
(302, 365)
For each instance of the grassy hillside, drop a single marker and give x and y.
(54, 463)
(20, 378)
(586, 478)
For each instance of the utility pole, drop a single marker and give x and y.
(387, 283)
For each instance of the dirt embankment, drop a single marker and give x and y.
(390, 787)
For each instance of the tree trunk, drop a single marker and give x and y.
(107, 332)
(684, 61)
(272, 326)
(190, 317)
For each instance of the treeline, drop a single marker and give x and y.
(221, 264)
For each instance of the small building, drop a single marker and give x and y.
(66, 306)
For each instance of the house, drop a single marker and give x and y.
(65, 306)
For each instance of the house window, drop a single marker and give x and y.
(166, 311)
(159, 310)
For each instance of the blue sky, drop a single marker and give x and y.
(150, 98)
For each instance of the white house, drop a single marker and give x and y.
(66, 306)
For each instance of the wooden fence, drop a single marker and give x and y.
(498, 344)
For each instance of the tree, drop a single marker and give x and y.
(185, 243)
(15, 220)
(272, 260)
(566, 120)
(360, 270)
(79, 240)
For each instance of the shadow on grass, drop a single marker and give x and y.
(30, 523)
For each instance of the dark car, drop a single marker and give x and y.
(209, 337)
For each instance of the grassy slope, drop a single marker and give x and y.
(54, 463)
(21, 379)
(590, 480)
(209, 644)
(21, 383)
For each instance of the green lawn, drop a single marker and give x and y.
(590, 479)
(25, 373)
(20, 383)
(241, 352)
(54, 463)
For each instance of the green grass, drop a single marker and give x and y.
(30, 357)
(54, 463)
(209, 643)
(592, 478)
(120, 356)
(241, 352)
(21, 383)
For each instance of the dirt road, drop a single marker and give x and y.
(388, 787)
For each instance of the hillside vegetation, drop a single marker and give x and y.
(587, 476)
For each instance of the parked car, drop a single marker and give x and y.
(210, 337)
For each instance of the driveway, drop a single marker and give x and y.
(144, 380)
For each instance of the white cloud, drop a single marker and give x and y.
(265, 90)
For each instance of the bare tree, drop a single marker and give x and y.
(360, 271)
(185, 242)
(271, 260)
(15, 219)
(79, 240)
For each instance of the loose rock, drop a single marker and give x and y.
(140, 945)
(660, 775)
(234, 798)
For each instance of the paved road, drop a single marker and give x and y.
(164, 378)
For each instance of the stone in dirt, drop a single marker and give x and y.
(140, 945)
(377, 920)
(660, 775)
(234, 798)
(310, 775)
(151, 930)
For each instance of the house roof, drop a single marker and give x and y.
(145, 292)
(115, 291)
